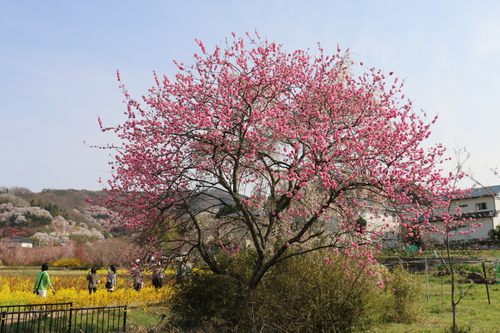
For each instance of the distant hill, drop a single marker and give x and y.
(56, 216)
(211, 201)
(52, 215)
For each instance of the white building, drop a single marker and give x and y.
(17, 242)
(376, 220)
(483, 206)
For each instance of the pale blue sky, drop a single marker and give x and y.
(58, 63)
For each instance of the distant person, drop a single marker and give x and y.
(42, 281)
(137, 276)
(179, 261)
(158, 276)
(188, 270)
(184, 270)
(111, 279)
(93, 281)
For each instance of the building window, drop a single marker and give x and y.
(463, 205)
(481, 206)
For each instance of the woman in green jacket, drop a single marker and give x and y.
(42, 282)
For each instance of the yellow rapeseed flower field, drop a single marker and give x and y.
(18, 290)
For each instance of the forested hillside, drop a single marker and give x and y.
(51, 216)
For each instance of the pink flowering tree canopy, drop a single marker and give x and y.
(255, 147)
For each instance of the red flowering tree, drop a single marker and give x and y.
(279, 152)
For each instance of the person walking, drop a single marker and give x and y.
(93, 281)
(158, 276)
(137, 278)
(137, 275)
(111, 279)
(184, 270)
(181, 269)
(188, 270)
(42, 281)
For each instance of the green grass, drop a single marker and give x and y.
(148, 316)
(32, 270)
(474, 314)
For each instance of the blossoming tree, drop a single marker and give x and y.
(257, 147)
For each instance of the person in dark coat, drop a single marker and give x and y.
(93, 281)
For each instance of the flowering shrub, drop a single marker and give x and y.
(73, 262)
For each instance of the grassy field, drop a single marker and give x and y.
(475, 313)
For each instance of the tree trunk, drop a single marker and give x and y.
(239, 304)
(453, 303)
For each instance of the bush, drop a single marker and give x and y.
(70, 263)
(301, 294)
(207, 300)
(465, 269)
(400, 304)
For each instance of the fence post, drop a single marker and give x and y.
(124, 317)
(486, 282)
(2, 321)
(70, 321)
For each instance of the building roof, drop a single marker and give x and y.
(487, 191)
(466, 216)
(21, 240)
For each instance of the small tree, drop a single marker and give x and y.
(299, 144)
(453, 223)
(494, 234)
